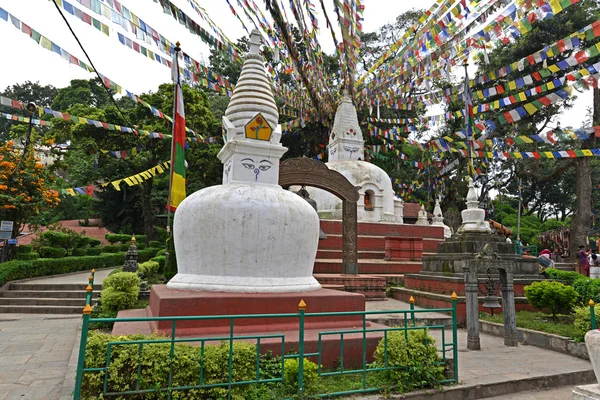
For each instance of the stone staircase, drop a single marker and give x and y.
(45, 298)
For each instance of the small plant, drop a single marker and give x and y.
(569, 277)
(583, 322)
(120, 291)
(587, 289)
(148, 269)
(551, 296)
(310, 380)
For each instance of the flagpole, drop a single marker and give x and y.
(468, 120)
(176, 82)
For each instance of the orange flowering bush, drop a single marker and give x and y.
(24, 191)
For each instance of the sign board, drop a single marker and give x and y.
(6, 225)
(5, 235)
(12, 242)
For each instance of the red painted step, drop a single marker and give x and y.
(329, 266)
(371, 243)
(447, 285)
(337, 254)
(386, 229)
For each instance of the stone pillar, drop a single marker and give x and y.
(472, 300)
(508, 307)
(349, 238)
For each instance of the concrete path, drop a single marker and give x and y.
(35, 351)
(80, 277)
(564, 393)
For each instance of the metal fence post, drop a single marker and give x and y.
(93, 275)
(81, 357)
(592, 314)
(412, 309)
(88, 294)
(301, 308)
(454, 337)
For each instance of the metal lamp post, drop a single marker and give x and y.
(31, 107)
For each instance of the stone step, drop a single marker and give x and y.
(392, 279)
(565, 266)
(337, 254)
(372, 287)
(332, 287)
(40, 301)
(375, 266)
(71, 294)
(52, 286)
(41, 309)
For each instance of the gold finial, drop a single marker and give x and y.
(591, 303)
(177, 43)
(93, 271)
(87, 309)
(90, 278)
(302, 305)
(411, 300)
(454, 296)
(133, 239)
(89, 288)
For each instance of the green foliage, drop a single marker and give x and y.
(28, 256)
(116, 271)
(120, 291)
(156, 244)
(161, 252)
(583, 321)
(52, 252)
(148, 269)
(587, 289)
(146, 254)
(111, 248)
(310, 376)
(418, 356)
(18, 269)
(161, 262)
(24, 249)
(55, 239)
(94, 242)
(94, 251)
(552, 296)
(79, 252)
(537, 321)
(569, 277)
(118, 238)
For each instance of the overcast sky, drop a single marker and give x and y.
(25, 60)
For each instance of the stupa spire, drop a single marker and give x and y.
(346, 140)
(251, 125)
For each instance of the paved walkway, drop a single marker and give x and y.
(81, 277)
(564, 393)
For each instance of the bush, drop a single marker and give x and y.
(80, 252)
(28, 256)
(111, 248)
(21, 269)
(24, 249)
(94, 251)
(124, 246)
(161, 252)
(587, 289)
(569, 277)
(146, 254)
(583, 321)
(95, 242)
(140, 246)
(161, 262)
(56, 239)
(148, 269)
(418, 356)
(310, 379)
(155, 364)
(52, 252)
(156, 244)
(551, 296)
(117, 238)
(115, 271)
(120, 291)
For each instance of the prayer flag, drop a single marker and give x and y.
(177, 194)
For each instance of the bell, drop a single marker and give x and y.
(491, 302)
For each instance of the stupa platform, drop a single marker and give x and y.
(174, 303)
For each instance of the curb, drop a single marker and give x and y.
(484, 391)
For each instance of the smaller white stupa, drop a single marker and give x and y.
(422, 217)
(473, 218)
(438, 219)
(247, 235)
(378, 201)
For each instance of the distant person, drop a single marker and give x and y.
(582, 255)
(595, 266)
(545, 262)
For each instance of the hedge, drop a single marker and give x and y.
(28, 256)
(52, 252)
(114, 238)
(156, 243)
(569, 277)
(24, 249)
(94, 251)
(111, 248)
(22, 269)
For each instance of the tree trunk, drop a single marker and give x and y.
(582, 220)
(147, 209)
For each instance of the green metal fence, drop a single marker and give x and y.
(409, 318)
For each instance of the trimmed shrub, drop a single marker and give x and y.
(140, 246)
(94, 251)
(123, 246)
(148, 269)
(587, 289)
(310, 376)
(161, 252)
(146, 254)
(569, 277)
(583, 321)
(28, 256)
(161, 263)
(116, 271)
(95, 242)
(120, 291)
(122, 372)
(551, 296)
(111, 248)
(79, 252)
(418, 356)
(52, 252)
(24, 249)
(18, 269)
(56, 239)
(117, 238)
(156, 244)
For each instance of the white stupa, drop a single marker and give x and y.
(249, 234)
(473, 218)
(377, 202)
(438, 219)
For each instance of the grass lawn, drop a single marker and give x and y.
(561, 325)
